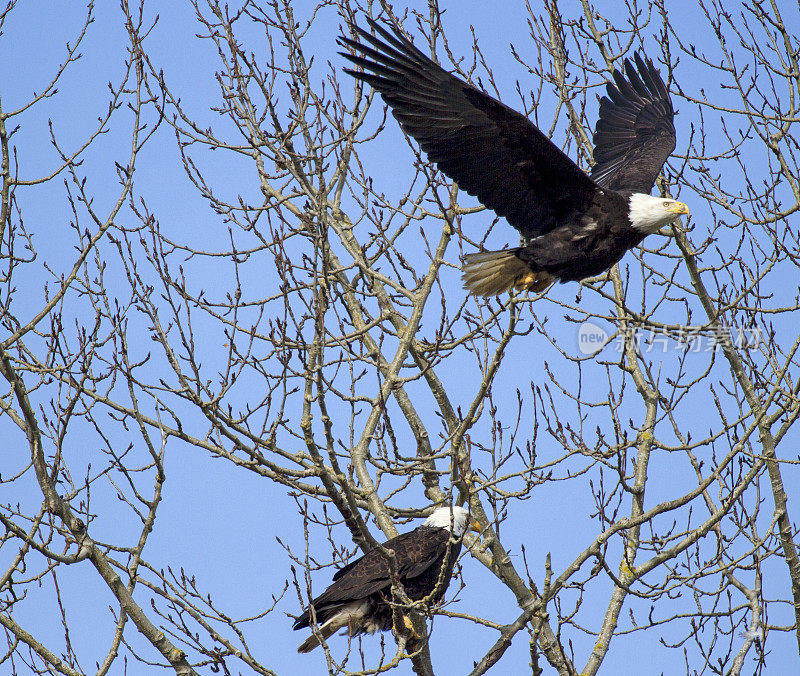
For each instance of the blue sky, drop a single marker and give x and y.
(222, 523)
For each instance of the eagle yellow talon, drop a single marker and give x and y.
(533, 281)
(409, 625)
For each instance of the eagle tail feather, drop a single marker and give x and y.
(490, 273)
(325, 631)
(351, 615)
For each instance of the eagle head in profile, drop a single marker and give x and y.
(649, 214)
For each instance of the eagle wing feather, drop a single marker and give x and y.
(635, 133)
(493, 152)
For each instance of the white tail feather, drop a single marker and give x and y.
(491, 273)
(352, 616)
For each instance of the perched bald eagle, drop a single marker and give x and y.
(357, 598)
(574, 225)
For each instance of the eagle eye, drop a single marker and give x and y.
(666, 204)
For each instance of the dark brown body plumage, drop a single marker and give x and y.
(586, 245)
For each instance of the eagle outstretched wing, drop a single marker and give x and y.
(634, 135)
(493, 152)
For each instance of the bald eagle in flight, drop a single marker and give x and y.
(357, 598)
(574, 225)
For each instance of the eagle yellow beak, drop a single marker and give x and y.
(475, 526)
(679, 208)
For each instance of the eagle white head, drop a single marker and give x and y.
(649, 214)
(441, 519)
